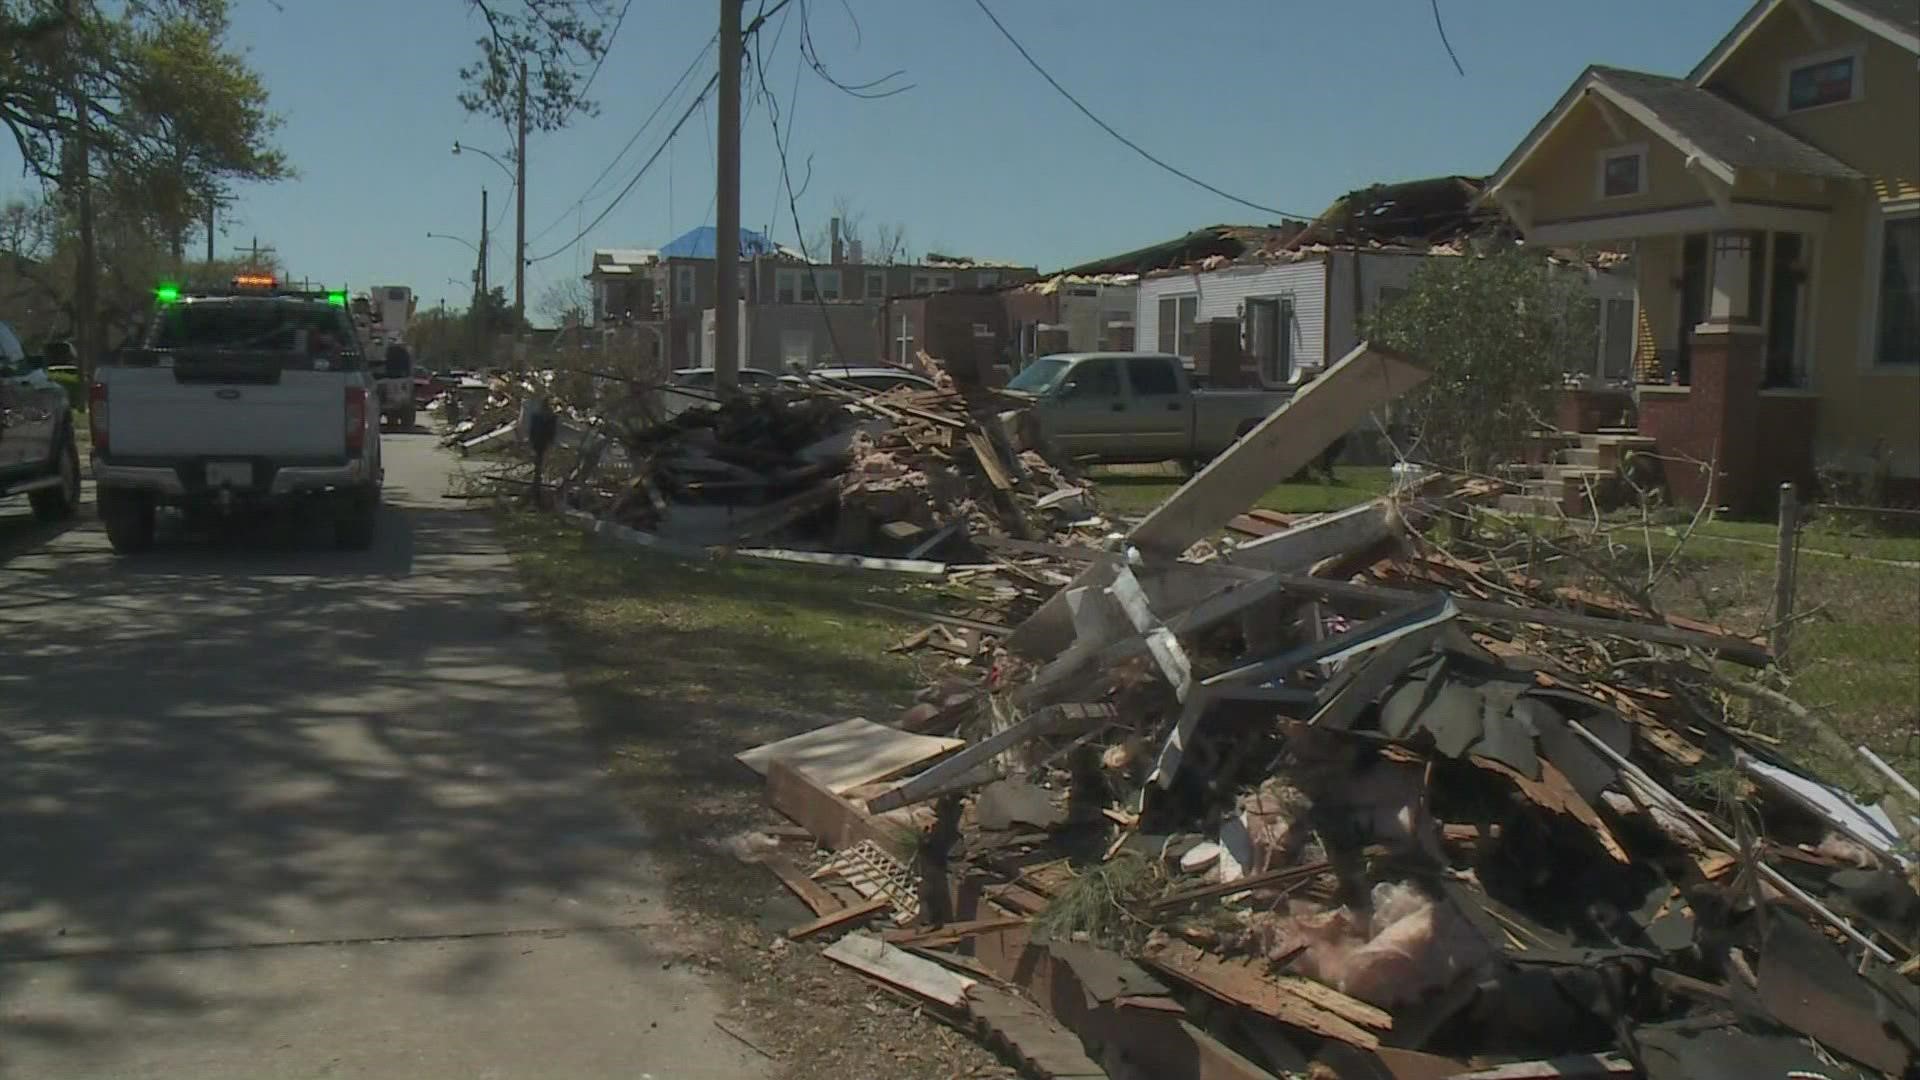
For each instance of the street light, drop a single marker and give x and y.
(459, 149)
(455, 239)
(519, 173)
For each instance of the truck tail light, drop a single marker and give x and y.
(356, 419)
(97, 416)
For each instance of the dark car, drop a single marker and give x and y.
(39, 457)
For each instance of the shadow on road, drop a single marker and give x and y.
(233, 744)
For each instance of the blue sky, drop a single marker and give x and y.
(1287, 103)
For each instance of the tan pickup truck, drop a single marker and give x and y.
(1136, 407)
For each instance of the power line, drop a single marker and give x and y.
(580, 99)
(712, 82)
(672, 92)
(700, 100)
(1442, 27)
(1108, 128)
(793, 208)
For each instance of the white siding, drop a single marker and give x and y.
(1223, 293)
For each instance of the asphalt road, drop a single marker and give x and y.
(272, 810)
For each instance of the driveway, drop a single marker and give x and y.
(272, 810)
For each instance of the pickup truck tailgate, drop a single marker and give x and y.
(152, 414)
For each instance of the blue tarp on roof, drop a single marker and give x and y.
(699, 243)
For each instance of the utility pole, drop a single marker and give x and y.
(478, 311)
(212, 201)
(726, 241)
(520, 218)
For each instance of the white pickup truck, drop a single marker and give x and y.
(1128, 408)
(237, 398)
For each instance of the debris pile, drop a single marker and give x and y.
(812, 462)
(1336, 801)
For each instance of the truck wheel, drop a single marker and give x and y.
(60, 503)
(129, 518)
(353, 526)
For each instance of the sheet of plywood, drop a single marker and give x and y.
(848, 754)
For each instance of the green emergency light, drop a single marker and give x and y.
(337, 299)
(167, 294)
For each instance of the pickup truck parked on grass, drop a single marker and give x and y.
(1128, 408)
(38, 458)
(248, 397)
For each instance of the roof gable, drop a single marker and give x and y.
(1705, 126)
(1898, 21)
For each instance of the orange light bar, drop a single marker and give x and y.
(254, 281)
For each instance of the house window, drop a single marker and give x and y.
(922, 283)
(1827, 79)
(876, 284)
(1177, 315)
(827, 282)
(986, 279)
(942, 282)
(1623, 172)
(683, 285)
(1896, 340)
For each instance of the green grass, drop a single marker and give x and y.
(1138, 489)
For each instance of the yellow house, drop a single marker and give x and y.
(1772, 201)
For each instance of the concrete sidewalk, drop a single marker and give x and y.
(274, 810)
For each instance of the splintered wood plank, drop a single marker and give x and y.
(897, 968)
(1243, 986)
(809, 891)
(849, 754)
(989, 461)
(1322, 411)
(842, 917)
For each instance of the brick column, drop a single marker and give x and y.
(1724, 406)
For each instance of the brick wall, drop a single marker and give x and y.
(1591, 410)
(1753, 442)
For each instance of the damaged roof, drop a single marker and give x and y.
(1412, 213)
(1228, 241)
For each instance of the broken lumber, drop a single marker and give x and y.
(1322, 411)
(1243, 986)
(834, 822)
(1052, 720)
(900, 969)
(1731, 648)
(809, 891)
(842, 917)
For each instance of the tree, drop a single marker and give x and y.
(203, 122)
(1496, 330)
(567, 301)
(560, 42)
(102, 96)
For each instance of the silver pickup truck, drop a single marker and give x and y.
(1129, 408)
(246, 397)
